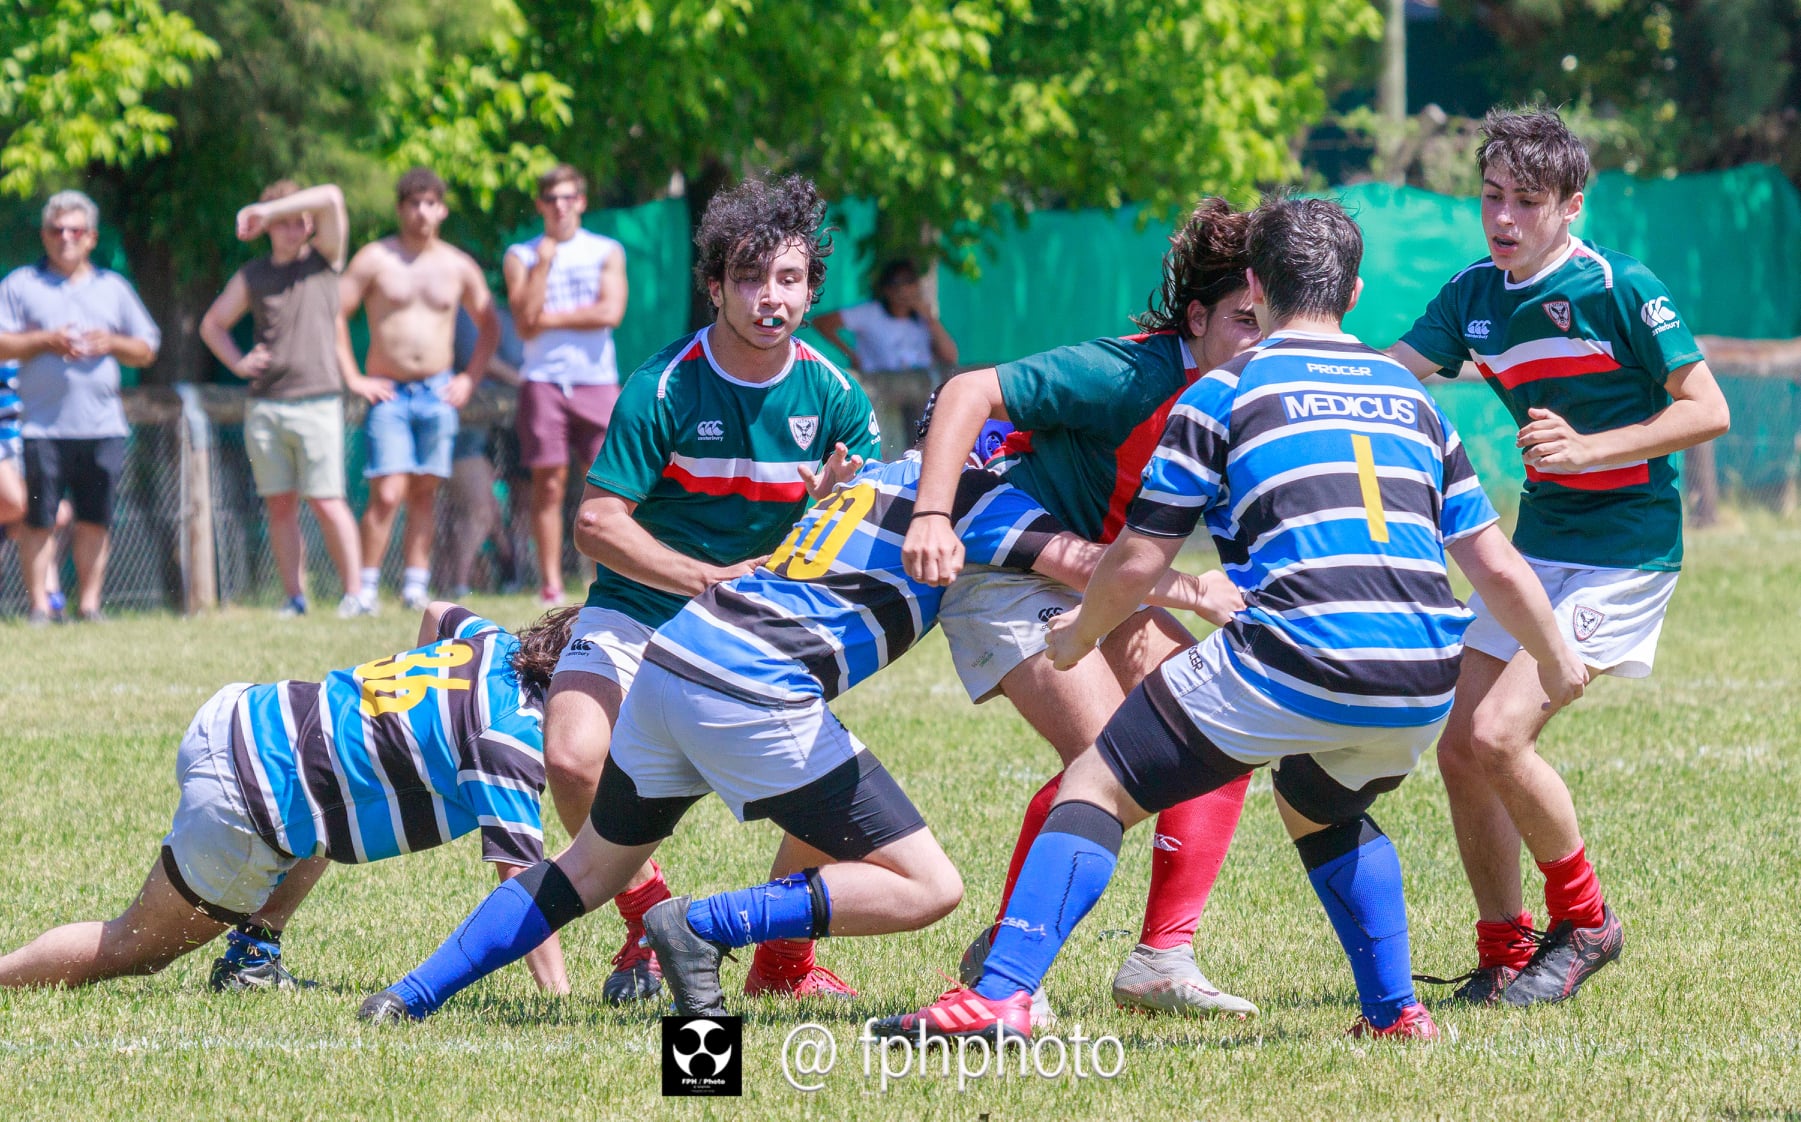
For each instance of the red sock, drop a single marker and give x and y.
(783, 959)
(634, 902)
(1572, 891)
(1503, 942)
(1187, 851)
(1036, 812)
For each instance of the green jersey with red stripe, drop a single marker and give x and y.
(1593, 337)
(713, 463)
(1088, 418)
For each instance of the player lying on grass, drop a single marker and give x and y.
(1332, 486)
(1586, 351)
(710, 456)
(390, 757)
(732, 699)
(1089, 417)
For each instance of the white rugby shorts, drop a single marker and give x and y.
(996, 619)
(606, 642)
(213, 853)
(1246, 725)
(677, 738)
(1612, 617)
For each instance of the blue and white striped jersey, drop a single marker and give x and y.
(399, 754)
(834, 605)
(1330, 482)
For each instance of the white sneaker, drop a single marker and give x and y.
(1168, 981)
(415, 599)
(350, 607)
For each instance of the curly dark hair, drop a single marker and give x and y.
(1205, 262)
(540, 645)
(750, 223)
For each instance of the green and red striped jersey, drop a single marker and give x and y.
(1593, 337)
(1088, 418)
(713, 462)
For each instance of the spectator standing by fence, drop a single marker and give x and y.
(895, 331)
(567, 291)
(70, 325)
(898, 346)
(413, 282)
(294, 422)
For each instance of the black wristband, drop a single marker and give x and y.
(944, 514)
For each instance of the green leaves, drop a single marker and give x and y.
(74, 81)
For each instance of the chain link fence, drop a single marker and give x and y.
(189, 528)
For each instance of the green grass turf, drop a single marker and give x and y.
(1688, 786)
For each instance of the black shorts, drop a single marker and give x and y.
(847, 813)
(87, 470)
(1157, 753)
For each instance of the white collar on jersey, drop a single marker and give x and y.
(1552, 266)
(707, 346)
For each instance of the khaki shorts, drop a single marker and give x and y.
(1613, 617)
(995, 619)
(297, 446)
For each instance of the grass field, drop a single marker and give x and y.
(1688, 784)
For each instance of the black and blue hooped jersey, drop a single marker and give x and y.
(399, 754)
(1331, 482)
(834, 604)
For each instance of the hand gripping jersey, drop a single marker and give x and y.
(834, 605)
(1330, 482)
(1089, 416)
(398, 755)
(712, 462)
(1593, 337)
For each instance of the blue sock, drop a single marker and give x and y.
(1357, 875)
(511, 923)
(249, 943)
(1066, 871)
(786, 908)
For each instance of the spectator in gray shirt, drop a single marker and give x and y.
(69, 325)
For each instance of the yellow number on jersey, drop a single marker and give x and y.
(1372, 487)
(388, 688)
(804, 560)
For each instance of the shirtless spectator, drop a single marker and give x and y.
(567, 292)
(413, 283)
(294, 422)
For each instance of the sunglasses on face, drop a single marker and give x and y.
(68, 231)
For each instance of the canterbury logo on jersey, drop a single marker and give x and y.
(1300, 406)
(710, 430)
(1657, 314)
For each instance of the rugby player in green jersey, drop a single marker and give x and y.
(1589, 354)
(1089, 417)
(710, 455)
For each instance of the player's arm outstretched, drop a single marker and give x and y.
(1132, 567)
(1073, 560)
(1517, 598)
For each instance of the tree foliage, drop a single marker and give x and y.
(74, 76)
(1654, 86)
(943, 112)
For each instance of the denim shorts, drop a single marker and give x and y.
(412, 433)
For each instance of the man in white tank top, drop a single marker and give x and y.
(567, 290)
